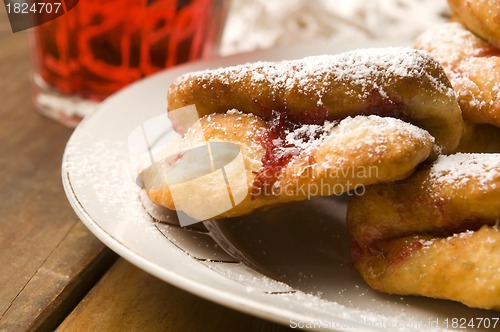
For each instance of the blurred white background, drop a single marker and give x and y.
(260, 24)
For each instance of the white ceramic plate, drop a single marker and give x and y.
(302, 249)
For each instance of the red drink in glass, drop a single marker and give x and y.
(99, 47)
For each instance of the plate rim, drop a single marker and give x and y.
(228, 299)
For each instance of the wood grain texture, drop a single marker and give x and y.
(44, 249)
(129, 299)
(48, 259)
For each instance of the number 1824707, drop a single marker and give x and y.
(35, 8)
(474, 323)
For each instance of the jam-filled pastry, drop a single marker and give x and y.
(285, 161)
(434, 234)
(473, 67)
(482, 17)
(396, 82)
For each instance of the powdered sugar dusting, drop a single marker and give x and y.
(357, 139)
(462, 235)
(104, 169)
(233, 122)
(389, 130)
(460, 52)
(426, 243)
(307, 136)
(441, 41)
(460, 169)
(366, 69)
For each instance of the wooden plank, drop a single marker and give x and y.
(57, 286)
(129, 299)
(44, 251)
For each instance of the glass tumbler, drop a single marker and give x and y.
(98, 47)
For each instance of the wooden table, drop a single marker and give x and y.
(54, 273)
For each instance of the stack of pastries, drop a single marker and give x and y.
(312, 123)
(468, 48)
(437, 232)
(423, 118)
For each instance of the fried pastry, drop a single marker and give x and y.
(473, 67)
(482, 17)
(287, 162)
(434, 234)
(480, 138)
(395, 82)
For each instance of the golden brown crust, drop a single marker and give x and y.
(411, 237)
(473, 67)
(397, 82)
(462, 268)
(355, 152)
(480, 138)
(479, 16)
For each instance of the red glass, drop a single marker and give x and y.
(99, 47)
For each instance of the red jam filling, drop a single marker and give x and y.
(278, 151)
(274, 141)
(386, 106)
(488, 52)
(283, 122)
